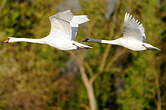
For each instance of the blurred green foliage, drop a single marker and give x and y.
(36, 77)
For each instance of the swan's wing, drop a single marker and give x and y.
(65, 15)
(76, 20)
(133, 28)
(74, 32)
(60, 27)
(73, 21)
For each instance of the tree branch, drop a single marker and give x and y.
(102, 64)
(88, 85)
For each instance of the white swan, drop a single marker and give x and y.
(133, 36)
(63, 30)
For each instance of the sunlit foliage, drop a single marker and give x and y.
(39, 77)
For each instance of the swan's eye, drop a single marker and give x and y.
(7, 41)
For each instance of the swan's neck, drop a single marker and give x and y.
(114, 42)
(40, 41)
(93, 40)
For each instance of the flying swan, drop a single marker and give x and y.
(63, 30)
(133, 36)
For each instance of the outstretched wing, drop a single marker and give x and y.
(67, 22)
(76, 20)
(133, 28)
(60, 24)
(60, 27)
(65, 15)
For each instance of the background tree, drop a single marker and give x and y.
(39, 77)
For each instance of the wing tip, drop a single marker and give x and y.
(65, 11)
(86, 18)
(129, 19)
(80, 19)
(127, 16)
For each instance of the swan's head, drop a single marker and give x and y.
(91, 40)
(86, 40)
(9, 40)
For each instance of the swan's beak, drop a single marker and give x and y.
(86, 40)
(6, 41)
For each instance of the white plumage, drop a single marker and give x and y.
(133, 28)
(133, 36)
(63, 30)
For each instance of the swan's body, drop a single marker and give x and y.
(63, 30)
(133, 36)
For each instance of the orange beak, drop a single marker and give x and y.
(6, 41)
